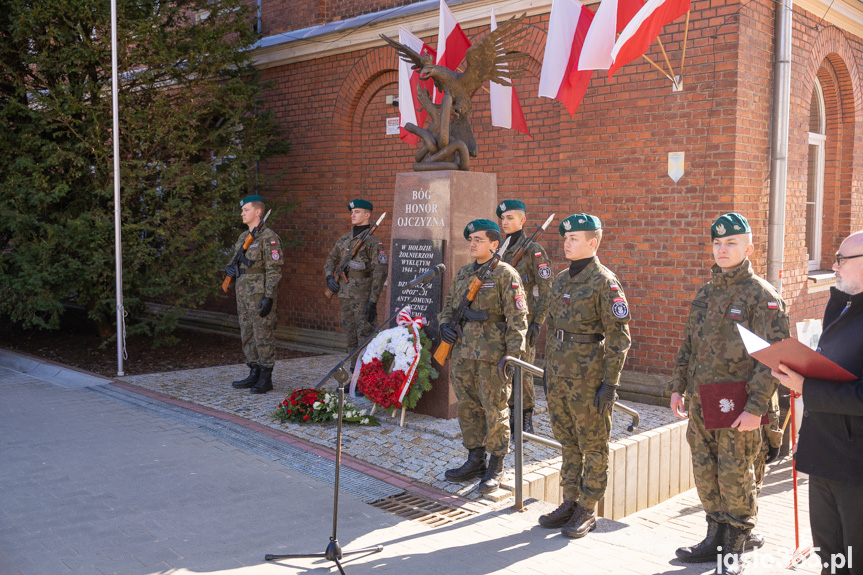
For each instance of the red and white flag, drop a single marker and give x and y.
(560, 78)
(505, 107)
(452, 44)
(643, 29)
(409, 106)
(610, 19)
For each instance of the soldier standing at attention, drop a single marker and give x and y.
(258, 272)
(496, 326)
(535, 272)
(367, 272)
(723, 460)
(588, 337)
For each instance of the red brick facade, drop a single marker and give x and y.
(610, 159)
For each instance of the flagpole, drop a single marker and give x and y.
(658, 67)
(685, 36)
(668, 63)
(118, 246)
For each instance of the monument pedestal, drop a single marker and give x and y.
(430, 212)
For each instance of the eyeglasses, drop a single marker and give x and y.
(840, 259)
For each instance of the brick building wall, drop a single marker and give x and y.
(610, 159)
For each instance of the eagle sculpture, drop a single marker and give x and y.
(449, 141)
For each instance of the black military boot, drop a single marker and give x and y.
(708, 548)
(559, 517)
(753, 541)
(582, 522)
(527, 420)
(732, 551)
(494, 473)
(265, 382)
(473, 467)
(251, 379)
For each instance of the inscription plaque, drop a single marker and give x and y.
(411, 258)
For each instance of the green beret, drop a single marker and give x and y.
(247, 199)
(508, 205)
(729, 225)
(579, 223)
(360, 203)
(478, 226)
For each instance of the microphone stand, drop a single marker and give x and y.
(334, 551)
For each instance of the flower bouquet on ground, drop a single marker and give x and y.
(311, 405)
(396, 366)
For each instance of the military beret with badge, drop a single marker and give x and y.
(579, 223)
(479, 226)
(360, 203)
(252, 198)
(508, 205)
(730, 224)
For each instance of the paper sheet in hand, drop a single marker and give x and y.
(722, 403)
(805, 361)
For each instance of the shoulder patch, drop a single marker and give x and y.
(544, 271)
(537, 254)
(614, 287)
(620, 309)
(382, 256)
(519, 301)
(772, 305)
(275, 254)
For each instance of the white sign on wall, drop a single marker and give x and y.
(675, 165)
(393, 126)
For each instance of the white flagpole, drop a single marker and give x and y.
(118, 246)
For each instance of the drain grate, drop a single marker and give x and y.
(420, 509)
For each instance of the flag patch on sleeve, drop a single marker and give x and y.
(613, 287)
(772, 305)
(537, 255)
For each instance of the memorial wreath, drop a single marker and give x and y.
(396, 366)
(310, 405)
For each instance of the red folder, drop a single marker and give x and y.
(722, 403)
(799, 357)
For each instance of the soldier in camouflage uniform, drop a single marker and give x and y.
(366, 274)
(712, 351)
(258, 272)
(588, 337)
(534, 268)
(496, 326)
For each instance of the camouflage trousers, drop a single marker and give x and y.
(723, 462)
(483, 414)
(354, 322)
(584, 434)
(529, 399)
(256, 332)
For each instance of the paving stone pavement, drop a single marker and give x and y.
(91, 484)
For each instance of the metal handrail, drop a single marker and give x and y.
(512, 367)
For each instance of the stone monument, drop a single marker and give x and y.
(430, 211)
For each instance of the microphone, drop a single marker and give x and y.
(426, 277)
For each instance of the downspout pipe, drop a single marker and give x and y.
(779, 144)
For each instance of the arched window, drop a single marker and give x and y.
(815, 180)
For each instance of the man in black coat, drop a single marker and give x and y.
(831, 435)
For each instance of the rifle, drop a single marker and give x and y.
(442, 351)
(517, 254)
(343, 266)
(228, 279)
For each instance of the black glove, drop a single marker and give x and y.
(605, 397)
(448, 333)
(532, 333)
(772, 454)
(265, 307)
(231, 270)
(371, 312)
(332, 284)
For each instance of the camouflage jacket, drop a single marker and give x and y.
(712, 350)
(592, 302)
(534, 268)
(370, 262)
(266, 255)
(500, 295)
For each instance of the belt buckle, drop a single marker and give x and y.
(559, 335)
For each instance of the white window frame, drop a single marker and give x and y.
(818, 140)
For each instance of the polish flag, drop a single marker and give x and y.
(560, 78)
(610, 20)
(409, 106)
(452, 44)
(505, 107)
(643, 29)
